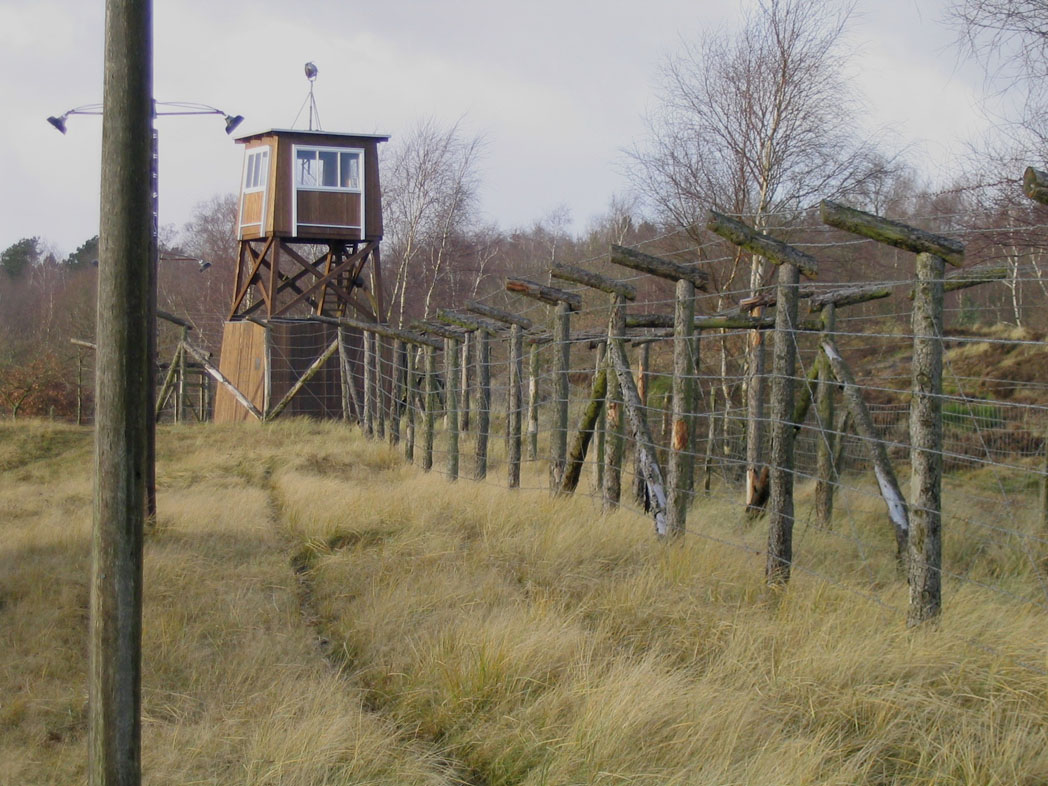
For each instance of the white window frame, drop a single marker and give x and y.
(328, 189)
(266, 153)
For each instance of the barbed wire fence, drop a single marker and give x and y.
(621, 380)
(559, 387)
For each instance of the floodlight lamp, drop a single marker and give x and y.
(311, 71)
(58, 122)
(232, 121)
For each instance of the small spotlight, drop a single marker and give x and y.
(204, 265)
(94, 263)
(58, 122)
(232, 121)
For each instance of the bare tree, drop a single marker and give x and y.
(758, 123)
(1010, 39)
(429, 202)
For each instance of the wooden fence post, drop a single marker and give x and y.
(562, 361)
(396, 408)
(343, 376)
(465, 368)
(826, 441)
(267, 371)
(369, 384)
(614, 443)
(377, 358)
(410, 397)
(515, 349)
(598, 427)
(518, 324)
(640, 491)
(533, 402)
(451, 373)
(482, 328)
(483, 404)
(925, 542)
(925, 536)
(431, 409)
(679, 469)
(780, 524)
(565, 303)
(791, 262)
(180, 408)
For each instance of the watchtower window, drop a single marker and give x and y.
(256, 170)
(326, 168)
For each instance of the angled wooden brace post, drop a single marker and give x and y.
(933, 253)
(483, 328)
(791, 263)
(680, 468)
(882, 465)
(517, 324)
(822, 394)
(565, 303)
(620, 292)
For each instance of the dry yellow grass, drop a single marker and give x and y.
(319, 613)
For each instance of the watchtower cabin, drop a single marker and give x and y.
(308, 229)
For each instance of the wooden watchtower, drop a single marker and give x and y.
(309, 228)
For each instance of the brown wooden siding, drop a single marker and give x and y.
(243, 363)
(251, 209)
(321, 210)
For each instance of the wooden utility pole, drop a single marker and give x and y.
(124, 404)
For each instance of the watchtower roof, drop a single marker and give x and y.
(332, 135)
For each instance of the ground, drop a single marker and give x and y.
(318, 611)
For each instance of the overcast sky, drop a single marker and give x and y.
(556, 87)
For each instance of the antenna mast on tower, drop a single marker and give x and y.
(314, 113)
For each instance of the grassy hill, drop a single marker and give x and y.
(318, 612)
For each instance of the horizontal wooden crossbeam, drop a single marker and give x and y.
(551, 295)
(892, 233)
(498, 314)
(775, 251)
(469, 321)
(657, 266)
(607, 284)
